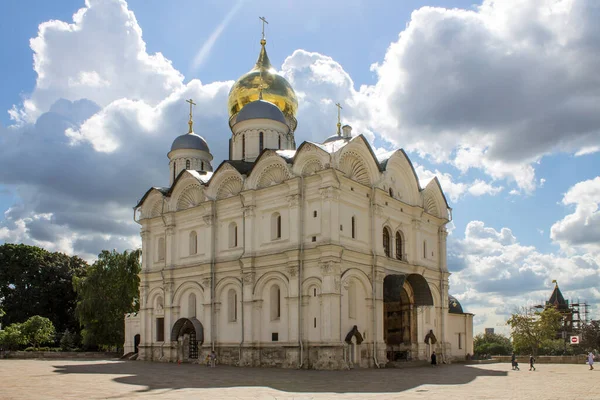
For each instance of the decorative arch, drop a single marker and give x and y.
(184, 288)
(184, 325)
(224, 283)
(312, 166)
(273, 174)
(359, 275)
(190, 197)
(310, 282)
(266, 278)
(421, 290)
(230, 186)
(434, 201)
(153, 294)
(429, 204)
(353, 166)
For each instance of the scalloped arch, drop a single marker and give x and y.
(312, 166)
(353, 166)
(429, 204)
(190, 197)
(272, 175)
(155, 209)
(230, 186)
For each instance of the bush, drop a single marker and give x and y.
(38, 330)
(31, 348)
(67, 342)
(12, 337)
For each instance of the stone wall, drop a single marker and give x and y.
(58, 354)
(524, 360)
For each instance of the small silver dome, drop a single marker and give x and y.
(335, 137)
(260, 109)
(190, 141)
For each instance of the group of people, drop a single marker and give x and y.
(515, 364)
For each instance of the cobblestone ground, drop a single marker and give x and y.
(76, 379)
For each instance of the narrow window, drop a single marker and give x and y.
(174, 170)
(235, 237)
(315, 322)
(424, 249)
(161, 249)
(391, 193)
(278, 226)
(460, 341)
(386, 242)
(314, 292)
(193, 243)
(275, 226)
(187, 164)
(202, 166)
(314, 238)
(279, 144)
(192, 305)
(353, 227)
(233, 241)
(232, 305)
(315, 214)
(261, 142)
(399, 249)
(243, 147)
(160, 329)
(275, 302)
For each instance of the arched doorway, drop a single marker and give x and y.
(136, 343)
(190, 333)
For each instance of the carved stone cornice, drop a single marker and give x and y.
(292, 270)
(208, 220)
(249, 211)
(329, 193)
(329, 268)
(248, 278)
(293, 200)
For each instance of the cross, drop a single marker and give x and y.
(339, 124)
(264, 21)
(191, 122)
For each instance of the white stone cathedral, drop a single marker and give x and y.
(323, 256)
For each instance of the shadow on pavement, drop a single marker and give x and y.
(155, 376)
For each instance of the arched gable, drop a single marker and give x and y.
(227, 282)
(401, 176)
(153, 295)
(268, 277)
(357, 161)
(226, 182)
(270, 169)
(187, 192)
(309, 159)
(310, 282)
(357, 275)
(189, 287)
(434, 201)
(152, 205)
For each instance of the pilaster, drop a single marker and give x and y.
(330, 300)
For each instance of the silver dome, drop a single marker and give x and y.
(334, 138)
(190, 141)
(260, 109)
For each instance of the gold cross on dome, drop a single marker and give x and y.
(339, 123)
(264, 21)
(191, 121)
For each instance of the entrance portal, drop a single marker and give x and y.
(190, 333)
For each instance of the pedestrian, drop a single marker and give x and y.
(591, 360)
(433, 359)
(515, 364)
(531, 362)
(213, 358)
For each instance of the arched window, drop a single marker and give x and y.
(261, 141)
(391, 193)
(352, 299)
(399, 246)
(192, 305)
(174, 170)
(187, 164)
(386, 242)
(243, 147)
(202, 165)
(424, 248)
(353, 227)
(161, 249)
(193, 243)
(279, 144)
(232, 305)
(275, 302)
(275, 226)
(233, 235)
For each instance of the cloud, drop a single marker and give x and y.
(582, 227)
(495, 88)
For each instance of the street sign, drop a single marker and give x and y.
(574, 339)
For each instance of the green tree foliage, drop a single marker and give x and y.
(110, 289)
(67, 341)
(34, 281)
(38, 330)
(492, 343)
(12, 337)
(529, 330)
(590, 337)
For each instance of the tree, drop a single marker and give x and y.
(590, 337)
(108, 291)
(529, 330)
(12, 337)
(492, 343)
(34, 281)
(38, 330)
(67, 341)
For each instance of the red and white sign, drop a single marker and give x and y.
(574, 339)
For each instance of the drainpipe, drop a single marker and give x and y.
(372, 204)
(240, 260)
(212, 274)
(300, 268)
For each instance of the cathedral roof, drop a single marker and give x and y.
(190, 141)
(556, 299)
(454, 306)
(260, 109)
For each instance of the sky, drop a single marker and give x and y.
(500, 100)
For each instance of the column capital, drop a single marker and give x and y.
(248, 278)
(329, 268)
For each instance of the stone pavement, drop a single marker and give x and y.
(78, 379)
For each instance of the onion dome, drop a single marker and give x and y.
(190, 141)
(275, 89)
(454, 306)
(260, 109)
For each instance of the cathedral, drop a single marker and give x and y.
(322, 256)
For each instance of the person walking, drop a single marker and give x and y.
(591, 360)
(433, 359)
(531, 362)
(515, 364)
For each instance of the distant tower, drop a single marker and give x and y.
(189, 151)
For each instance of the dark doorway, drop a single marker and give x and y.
(136, 343)
(398, 318)
(189, 329)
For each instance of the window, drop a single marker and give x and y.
(174, 170)
(279, 143)
(261, 141)
(193, 243)
(315, 325)
(243, 147)
(315, 214)
(391, 193)
(399, 246)
(314, 292)
(352, 300)
(353, 227)
(192, 305)
(460, 341)
(275, 302)
(275, 336)
(187, 164)
(424, 248)
(160, 329)
(233, 235)
(232, 305)
(314, 238)
(202, 166)
(275, 226)
(386, 242)
(161, 249)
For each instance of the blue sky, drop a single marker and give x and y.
(498, 100)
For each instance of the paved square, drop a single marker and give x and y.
(76, 379)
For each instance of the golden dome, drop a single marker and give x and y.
(275, 89)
